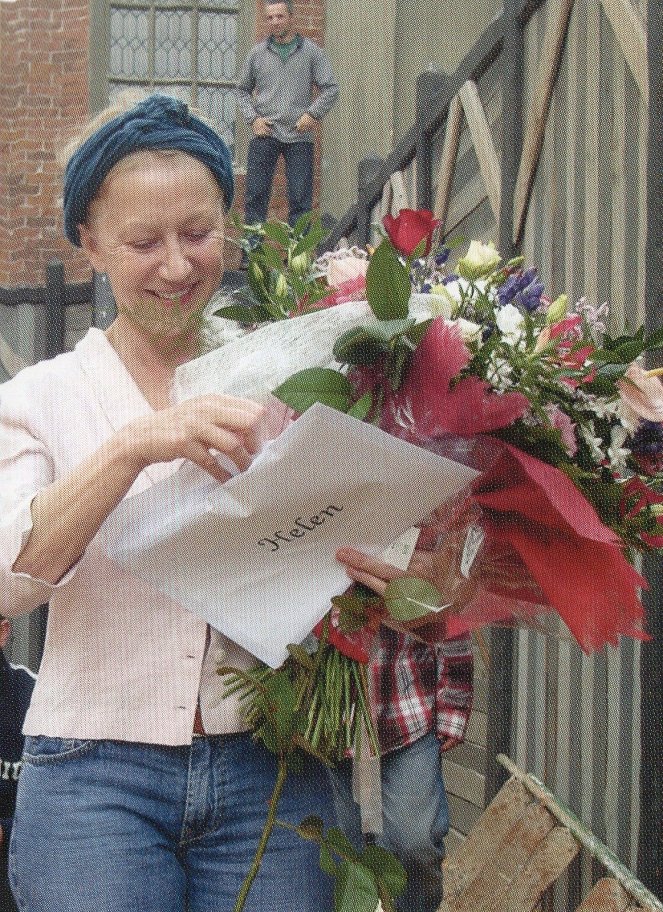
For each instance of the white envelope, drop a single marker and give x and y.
(255, 557)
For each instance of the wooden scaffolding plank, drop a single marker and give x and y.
(551, 859)
(386, 201)
(537, 117)
(445, 174)
(462, 866)
(630, 33)
(399, 194)
(592, 140)
(490, 888)
(606, 896)
(483, 143)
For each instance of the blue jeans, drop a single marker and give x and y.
(415, 817)
(263, 155)
(108, 826)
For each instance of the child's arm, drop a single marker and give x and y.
(455, 689)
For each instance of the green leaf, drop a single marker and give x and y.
(366, 344)
(420, 249)
(396, 366)
(316, 384)
(270, 257)
(309, 241)
(301, 656)
(388, 284)
(337, 840)
(407, 598)
(244, 314)
(362, 407)
(418, 331)
(256, 279)
(280, 705)
(386, 867)
(327, 863)
(355, 889)
(278, 232)
(302, 223)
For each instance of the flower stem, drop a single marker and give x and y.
(266, 833)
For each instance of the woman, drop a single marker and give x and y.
(140, 787)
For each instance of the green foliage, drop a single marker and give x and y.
(316, 384)
(362, 878)
(281, 281)
(408, 598)
(388, 284)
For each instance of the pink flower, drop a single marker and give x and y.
(561, 422)
(642, 394)
(409, 228)
(428, 405)
(352, 290)
(345, 269)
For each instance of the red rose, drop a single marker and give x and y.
(409, 228)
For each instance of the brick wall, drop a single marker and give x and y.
(43, 97)
(44, 55)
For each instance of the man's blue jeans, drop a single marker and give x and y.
(263, 155)
(415, 817)
(108, 826)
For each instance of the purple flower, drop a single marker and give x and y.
(648, 439)
(442, 256)
(521, 289)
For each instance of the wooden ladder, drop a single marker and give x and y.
(524, 840)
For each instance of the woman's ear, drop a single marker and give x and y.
(91, 249)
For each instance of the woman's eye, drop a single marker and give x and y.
(197, 235)
(143, 245)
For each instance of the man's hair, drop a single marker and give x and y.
(288, 3)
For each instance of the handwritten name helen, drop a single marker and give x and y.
(300, 528)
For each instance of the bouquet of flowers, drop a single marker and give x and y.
(560, 419)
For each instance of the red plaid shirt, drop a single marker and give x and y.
(416, 688)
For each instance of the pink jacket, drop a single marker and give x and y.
(121, 660)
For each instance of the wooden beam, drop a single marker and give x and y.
(445, 172)
(399, 193)
(386, 201)
(483, 143)
(592, 130)
(538, 113)
(630, 33)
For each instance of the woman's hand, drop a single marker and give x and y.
(192, 429)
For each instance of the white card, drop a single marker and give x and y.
(255, 557)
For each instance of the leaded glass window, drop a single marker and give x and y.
(184, 49)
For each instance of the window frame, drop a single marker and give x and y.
(100, 78)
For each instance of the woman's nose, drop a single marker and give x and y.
(175, 264)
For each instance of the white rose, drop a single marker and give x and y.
(480, 260)
(469, 331)
(509, 322)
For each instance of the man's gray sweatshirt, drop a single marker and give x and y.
(281, 91)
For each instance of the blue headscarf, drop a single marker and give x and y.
(157, 122)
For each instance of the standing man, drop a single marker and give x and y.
(16, 685)
(275, 96)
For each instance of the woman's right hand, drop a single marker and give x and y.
(191, 429)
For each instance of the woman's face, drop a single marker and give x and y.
(156, 229)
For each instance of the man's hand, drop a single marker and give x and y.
(262, 127)
(305, 124)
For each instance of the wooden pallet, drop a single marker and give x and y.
(522, 843)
